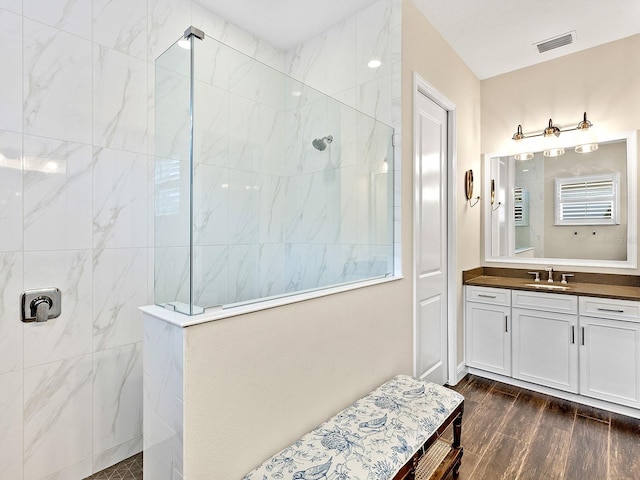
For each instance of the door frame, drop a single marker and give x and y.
(422, 87)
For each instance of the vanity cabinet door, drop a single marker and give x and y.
(545, 348)
(488, 337)
(610, 360)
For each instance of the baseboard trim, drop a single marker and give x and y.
(461, 371)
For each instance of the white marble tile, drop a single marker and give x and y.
(72, 16)
(342, 263)
(11, 61)
(158, 449)
(271, 56)
(211, 125)
(306, 266)
(14, 6)
(374, 99)
(11, 284)
(274, 87)
(244, 128)
(167, 21)
(73, 472)
(171, 210)
(171, 106)
(342, 212)
(210, 205)
(313, 124)
(119, 288)
(117, 396)
(272, 208)
(374, 33)
(119, 100)
(374, 260)
(307, 212)
(212, 62)
(342, 124)
(11, 436)
(119, 199)
(116, 454)
(57, 83)
(57, 193)
(163, 369)
(308, 63)
(243, 207)
(121, 25)
(243, 273)
(69, 335)
(272, 136)
(57, 405)
(211, 275)
(272, 269)
(374, 205)
(10, 191)
(178, 439)
(341, 48)
(171, 277)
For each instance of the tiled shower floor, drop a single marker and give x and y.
(129, 469)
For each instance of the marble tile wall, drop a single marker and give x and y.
(77, 127)
(274, 215)
(77, 181)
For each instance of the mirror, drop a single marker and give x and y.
(578, 209)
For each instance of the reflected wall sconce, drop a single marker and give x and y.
(468, 188)
(493, 196)
(584, 140)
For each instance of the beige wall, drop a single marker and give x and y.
(265, 379)
(603, 81)
(424, 51)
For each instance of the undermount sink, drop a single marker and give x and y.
(544, 286)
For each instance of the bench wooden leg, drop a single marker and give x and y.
(457, 431)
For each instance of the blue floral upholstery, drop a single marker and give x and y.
(370, 440)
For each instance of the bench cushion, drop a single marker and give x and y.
(370, 440)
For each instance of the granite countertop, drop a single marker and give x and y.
(621, 287)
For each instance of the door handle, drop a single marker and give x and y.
(573, 334)
(616, 310)
(506, 324)
(486, 296)
(582, 335)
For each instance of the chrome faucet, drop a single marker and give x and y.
(565, 276)
(550, 270)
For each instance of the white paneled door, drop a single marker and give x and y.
(430, 252)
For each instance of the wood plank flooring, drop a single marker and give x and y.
(509, 433)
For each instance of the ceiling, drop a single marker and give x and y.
(491, 36)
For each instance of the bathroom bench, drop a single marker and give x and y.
(393, 433)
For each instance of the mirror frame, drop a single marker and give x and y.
(632, 202)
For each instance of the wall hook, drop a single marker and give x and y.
(498, 205)
(477, 199)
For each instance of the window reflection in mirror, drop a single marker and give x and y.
(572, 210)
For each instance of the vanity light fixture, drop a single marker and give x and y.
(586, 141)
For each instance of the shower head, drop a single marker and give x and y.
(321, 143)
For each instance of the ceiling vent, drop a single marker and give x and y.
(556, 42)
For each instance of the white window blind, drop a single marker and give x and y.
(592, 200)
(520, 207)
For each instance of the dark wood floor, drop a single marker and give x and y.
(509, 433)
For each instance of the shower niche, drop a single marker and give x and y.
(264, 187)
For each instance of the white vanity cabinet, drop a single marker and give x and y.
(544, 339)
(610, 350)
(488, 329)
